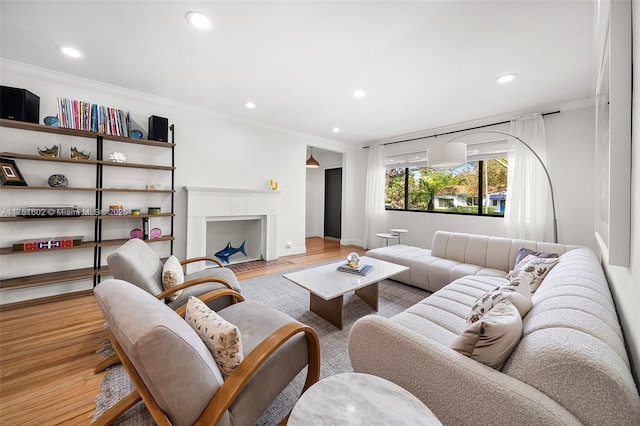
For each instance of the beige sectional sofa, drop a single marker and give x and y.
(569, 367)
(455, 255)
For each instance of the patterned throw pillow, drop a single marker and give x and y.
(492, 339)
(484, 304)
(221, 337)
(536, 267)
(172, 275)
(517, 291)
(524, 252)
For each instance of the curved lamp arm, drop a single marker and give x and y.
(553, 202)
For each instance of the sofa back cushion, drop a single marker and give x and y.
(172, 360)
(488, 252)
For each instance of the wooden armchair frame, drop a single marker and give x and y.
(205, 297)
(231, 387)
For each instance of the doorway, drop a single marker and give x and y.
(333, 203)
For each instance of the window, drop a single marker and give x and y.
(478, 187)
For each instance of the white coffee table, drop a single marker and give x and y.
(327, 286)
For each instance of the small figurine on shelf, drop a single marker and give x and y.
(79, 155)
(54, 151)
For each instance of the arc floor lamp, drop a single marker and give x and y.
(453, 154)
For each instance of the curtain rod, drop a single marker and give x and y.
(457, 131)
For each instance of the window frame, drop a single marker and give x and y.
(479, 195)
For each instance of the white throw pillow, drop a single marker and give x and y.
(491, 339)
(220, 336)
(536, 267)
(172, 275)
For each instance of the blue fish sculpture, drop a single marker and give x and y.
(228, 251)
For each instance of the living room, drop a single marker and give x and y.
(236, 149)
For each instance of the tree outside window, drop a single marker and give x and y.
(454, 190)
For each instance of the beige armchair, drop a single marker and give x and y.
(137, 263)
(177, 377)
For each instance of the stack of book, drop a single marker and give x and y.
(80, 115)
(360, 270)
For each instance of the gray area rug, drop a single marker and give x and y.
(279, 293)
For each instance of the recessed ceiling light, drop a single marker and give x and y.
(200, 21)
(359, 94)
(335, 129)
(506, 78)
(250, 105)
(70, 51)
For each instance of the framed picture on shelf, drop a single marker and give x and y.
(10, 174)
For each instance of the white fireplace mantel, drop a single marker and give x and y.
(207, 204)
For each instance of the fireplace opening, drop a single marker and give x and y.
(228, 237)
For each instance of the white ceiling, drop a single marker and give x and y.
(423, 64)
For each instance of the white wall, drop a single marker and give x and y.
(625, 282)
(212, 150)
(570, 160)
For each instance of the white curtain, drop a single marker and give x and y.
(374, 212)
(527, 212)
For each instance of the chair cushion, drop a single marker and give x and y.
(257, 321)
(221, 337)
(172, 275)
(172, 360)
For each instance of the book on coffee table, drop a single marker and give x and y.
(362, 270)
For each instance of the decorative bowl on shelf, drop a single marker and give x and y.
(58, 181)
(51, 121)
(136, 134)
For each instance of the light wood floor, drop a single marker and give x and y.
(48, 352)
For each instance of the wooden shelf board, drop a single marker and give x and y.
(83, 245)
(166, 191)
(32, 157)
(131, 216)
(42, 300)
(49, 188)
(29, 219)
(45, 158)
(119, 242)
(84, 217)
(79, 133)
(49, 278)
(136, 165)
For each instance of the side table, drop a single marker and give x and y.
(359, 399)
(388, 237)
(399, 231)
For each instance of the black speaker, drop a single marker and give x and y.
(158, 129)
(19, 104)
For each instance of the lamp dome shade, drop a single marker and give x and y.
(452, 154)
(312, 163)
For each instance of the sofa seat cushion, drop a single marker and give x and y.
(442, 316)
(427, 271)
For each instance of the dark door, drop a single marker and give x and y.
(333, 203)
